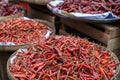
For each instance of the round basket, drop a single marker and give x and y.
(113, 56)
(38, 2)
(16, 47)
(23, 13)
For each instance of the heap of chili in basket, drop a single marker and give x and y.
(63, 58)
(90, 6)
(7, 9)
(21, 31)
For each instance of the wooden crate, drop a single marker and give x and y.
(107, 34)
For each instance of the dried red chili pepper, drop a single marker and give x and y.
(90, 6)
(54, 60)
(21, 31)
(7, 9)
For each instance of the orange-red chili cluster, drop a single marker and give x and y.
(21, 31)
(90, 6)
(63, 58)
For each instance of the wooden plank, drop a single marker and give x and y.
(88, 30)
(114, 34)
(112, 30)
(114, 44)
(107, 27)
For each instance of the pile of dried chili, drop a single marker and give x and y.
(90, 6)
(21, 31)
(7, 9)
(63, 58)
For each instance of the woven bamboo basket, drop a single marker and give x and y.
(38, 2)
(113, 56)
(16, 47)
(22, 13)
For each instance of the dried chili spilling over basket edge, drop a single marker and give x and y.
(63, 58)
(91, 6)
(7, 9)
(22, 31)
